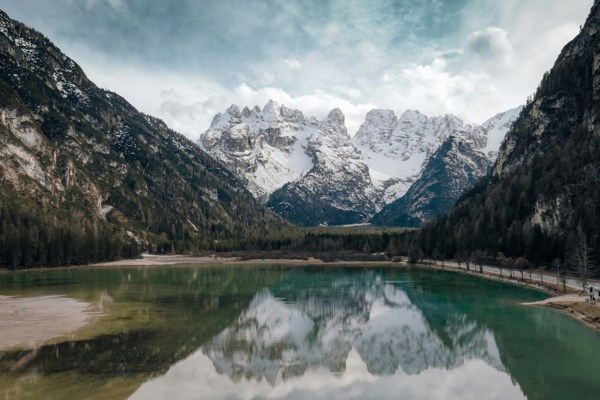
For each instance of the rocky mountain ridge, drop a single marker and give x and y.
(82, 161)
(455, 167)
(311, 172)
(293, 162)
(398, 148)
(264, 148)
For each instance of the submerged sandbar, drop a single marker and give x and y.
(27, 322)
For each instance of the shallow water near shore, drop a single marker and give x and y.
(210, 332)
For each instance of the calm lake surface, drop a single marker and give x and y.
(223, 332)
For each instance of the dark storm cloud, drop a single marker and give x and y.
(229, 35)
(473, 58)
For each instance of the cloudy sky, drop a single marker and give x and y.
(186, 60)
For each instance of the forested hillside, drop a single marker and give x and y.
(86, 177)
(542, 200)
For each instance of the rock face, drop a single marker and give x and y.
(543, 196)
(337, 189)
(455, 167)
(72, 151)
(566, 98)
(311, 172)
(398, 149)
(264, 148)
(305, 170)
(555, 139)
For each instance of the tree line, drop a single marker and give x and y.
(32, 238)
(544, 211)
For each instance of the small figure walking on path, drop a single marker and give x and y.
(592, 294)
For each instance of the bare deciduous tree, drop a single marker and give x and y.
(557, 264)
(521, 263)
(582, 260)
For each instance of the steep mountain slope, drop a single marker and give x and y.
(79, 160)
(397, 149)
(264, 148)
(496, 129)
(305, 170)
(337, 190)
(455, 167)
(311, 172)
(545, 189)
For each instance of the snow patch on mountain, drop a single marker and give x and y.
(265, 148)
(495, 130)
(397, 149)
(312, 172)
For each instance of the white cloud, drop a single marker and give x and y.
(488, 67)
(349, 92)
(188, 103)
(434, 90)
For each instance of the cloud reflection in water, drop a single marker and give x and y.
(370, 341)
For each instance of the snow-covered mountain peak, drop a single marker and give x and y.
(272, 111)
(454, 119)
(396, 150)
(271, 147)
(336, 116)
(413, 125)
(381, 118)
(234, 111)
(272, 106)
(378, 124)
(293, 115)
(246, 112)
(413, 116)
(265, 148)
(225, 120)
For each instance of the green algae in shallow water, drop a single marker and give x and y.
(215, 332)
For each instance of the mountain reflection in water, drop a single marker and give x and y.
(348, 339)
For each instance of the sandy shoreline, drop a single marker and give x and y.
(151, 259)
(28, 322)
(576, 305)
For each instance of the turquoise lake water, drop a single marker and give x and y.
(239, 332)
